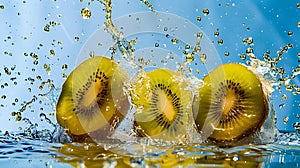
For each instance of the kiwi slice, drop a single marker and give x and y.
(92, 99)
(231, 104)
(163, 104)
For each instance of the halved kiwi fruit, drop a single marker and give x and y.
(163, 104)
(92, 101)
(231, 104)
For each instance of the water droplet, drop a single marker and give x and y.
(281, 105)
(47, 28)
(290, 33)
(298, 24)
(296, 125)
(242, 56)
(7, 71)
(220, 41)
(198, 18)
(217, 33)
(189, 57)
(1, 6)
(86, 13)
(285, 120)
(76, 38)
(289, 87)
(203, 58)
(42, 116)
(64, 67)
(52, 52)
(47, 68)
(298, 5)
(174, 40)
(205, 12)
(64, 76)
(3, 97)
(248, 40)
(52, 23)
(156, 45)
(226, 53)
(199, 35)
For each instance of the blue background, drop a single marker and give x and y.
(267, 22)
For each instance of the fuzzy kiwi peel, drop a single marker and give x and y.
(231, 104)
(163, 104)
(92, 99)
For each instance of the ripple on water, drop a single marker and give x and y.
(17, 147)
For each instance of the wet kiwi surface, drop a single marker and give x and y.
(92, 101)
(231, 104)
(163, 104)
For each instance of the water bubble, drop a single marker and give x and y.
(205, 12)
(76, 38)
(156, 45)
(1, 6)
(290, 33)
(298, 24)
(86, 13)
(298, 5)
